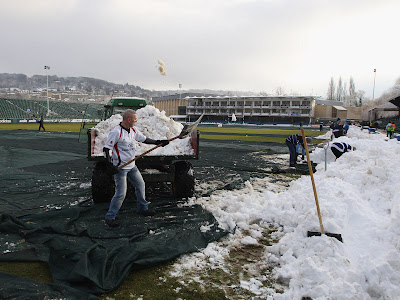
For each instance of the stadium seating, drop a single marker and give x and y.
(33, 109)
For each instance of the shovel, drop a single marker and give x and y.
(316, 233)
(187, 129)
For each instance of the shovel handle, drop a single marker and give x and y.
(148, 151)
(312, 180)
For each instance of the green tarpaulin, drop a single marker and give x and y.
(46, 214)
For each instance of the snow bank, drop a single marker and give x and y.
(153, 124)
(358, 197)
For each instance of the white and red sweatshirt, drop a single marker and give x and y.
(122, 143)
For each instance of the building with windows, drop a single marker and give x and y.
(174, 105)
(252, 109)
(248, 109)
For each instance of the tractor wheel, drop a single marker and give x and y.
(102, 183)
(184, 179)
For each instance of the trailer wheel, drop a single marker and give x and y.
(184, 179)
(102, 183)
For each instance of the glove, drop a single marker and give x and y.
(111, 168)
(162, 142)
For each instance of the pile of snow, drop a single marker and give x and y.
(358, 198)
(153, 124)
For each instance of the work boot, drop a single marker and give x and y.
(112, 223)
(147, 212)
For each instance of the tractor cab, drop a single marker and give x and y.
(118, 105)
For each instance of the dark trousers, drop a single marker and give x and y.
(292, 151)
(337, 133)
(337, 153)
(41, 126)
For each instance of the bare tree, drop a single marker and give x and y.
(344, 93)
(339, 90)
(352, 92)
(280, 91)
(393, 92)
(331, 89)
(360, 98)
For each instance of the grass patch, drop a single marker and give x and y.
(251, 138)
(155, 283)
(292, 176)
(262, 131)
(150, 283)
(207, 283)
(34, 270)
(238, 134)
(317, 141)
(57, 127)
(254, 135)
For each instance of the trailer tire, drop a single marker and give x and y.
(184, 179)
(102, 183)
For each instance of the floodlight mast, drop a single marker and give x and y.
(47, 89)
(373, 98)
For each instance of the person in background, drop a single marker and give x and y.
(41, 122)
(389, 129)
(337, 129)
(338, 149)
(120, 149)
(346, 128)
(291, 142)
(321, 125)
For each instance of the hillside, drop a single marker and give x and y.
(86, 84)
(91, 86)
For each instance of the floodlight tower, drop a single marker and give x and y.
(47, 89)
(373, 91)
(373, 98)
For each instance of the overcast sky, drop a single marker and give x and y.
(246, 45)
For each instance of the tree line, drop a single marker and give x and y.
(348, 95)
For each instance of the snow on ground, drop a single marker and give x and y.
(153, 124)
(358, 198)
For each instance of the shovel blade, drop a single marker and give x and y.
(316, 233)
(188, 129)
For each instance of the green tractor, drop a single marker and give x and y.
(174, 169)
(118, 105)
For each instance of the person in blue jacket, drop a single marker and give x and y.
(291, 142)
(346, 128)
